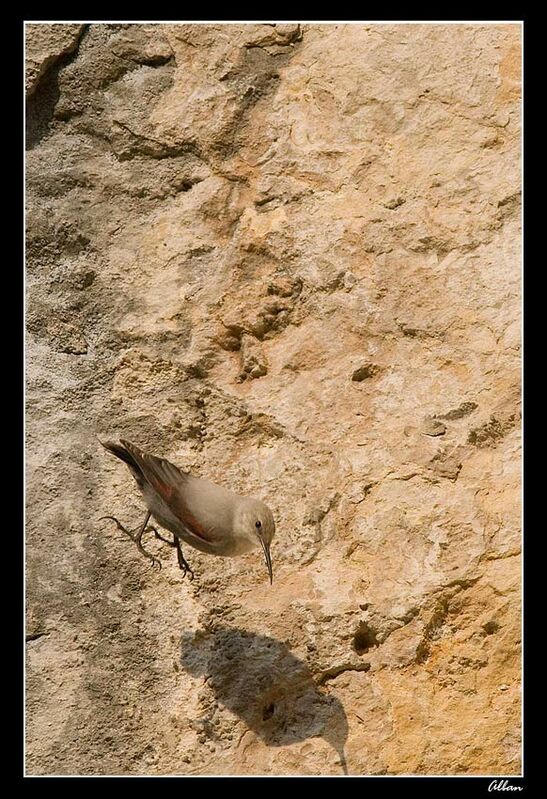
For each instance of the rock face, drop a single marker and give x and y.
(287, 258)
(46, 45)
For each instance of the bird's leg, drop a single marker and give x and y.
(136, 537)
(165, 540)
(183, 563)
(137, 540)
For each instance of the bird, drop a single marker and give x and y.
(204, 515)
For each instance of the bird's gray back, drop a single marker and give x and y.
(211, 504)
(208, 510)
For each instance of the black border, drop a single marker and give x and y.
(425, 785)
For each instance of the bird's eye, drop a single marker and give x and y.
(258, 524)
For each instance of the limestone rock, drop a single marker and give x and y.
(253, 363)
(433, 427)
(364, 372)
(46, 44)
(299, 204)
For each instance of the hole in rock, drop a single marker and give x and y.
(364, 639)
(490, 627)
(268, 711)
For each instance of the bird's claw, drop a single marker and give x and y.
(136, 538)
(120, 526)
(112, 518)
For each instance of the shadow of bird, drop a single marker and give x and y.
(259, 679)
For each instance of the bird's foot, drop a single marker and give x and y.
(184, 566)
(183, 563)
(187, 570)
(136, 535)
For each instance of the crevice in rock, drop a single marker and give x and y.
(492, 431)
(35, 636)
(316, 516)
(461, 582)
(268, 711)
(145, 146)
(336, 671)
(364, 638)
(414, 332)
(458, 413)
(491, 627)
(512, 553)
(40, 104)
(509, 205)
(365, 372)
(432, 629)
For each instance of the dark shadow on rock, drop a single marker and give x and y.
(262, 682)
(40, 107)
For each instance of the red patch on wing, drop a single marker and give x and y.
(163, 489)
(194, 526)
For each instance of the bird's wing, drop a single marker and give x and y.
(168, 482)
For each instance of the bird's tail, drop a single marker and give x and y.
(120, 452)
(162, 475)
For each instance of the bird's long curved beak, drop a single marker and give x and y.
(268, 558)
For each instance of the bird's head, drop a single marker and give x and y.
(255, 522)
